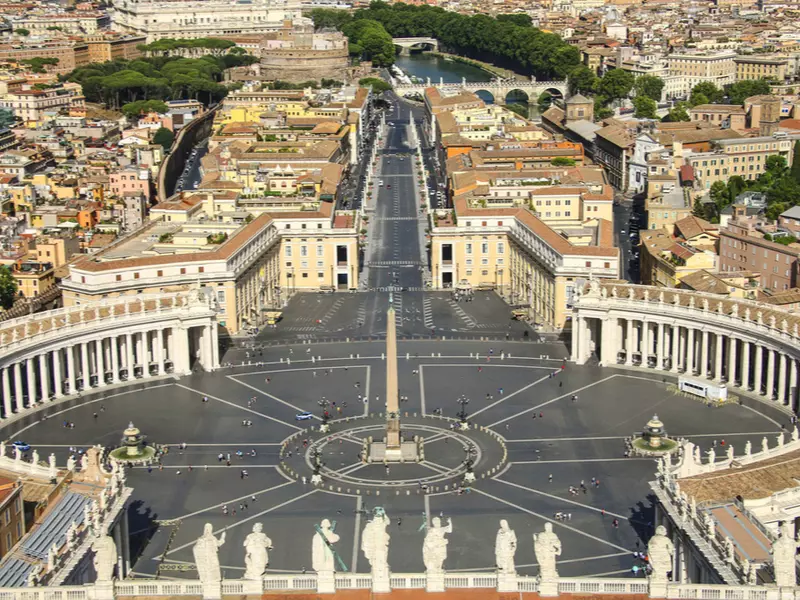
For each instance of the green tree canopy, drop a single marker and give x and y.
(378, 85)
(133, 110)
(330, 18)
(645, 107)
(796, 162)
(741, 90)
(164, 137)
(615, 84)
(677, 113)
(582, 80)
(705, 92)
(22, 31)
(650, 86)
(519, 19)
(375, 41)
(8, 287)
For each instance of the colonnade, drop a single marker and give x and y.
(652, 330)
(76, 349)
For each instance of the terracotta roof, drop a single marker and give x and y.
(691, 226)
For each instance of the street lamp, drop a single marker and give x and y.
(462, 414)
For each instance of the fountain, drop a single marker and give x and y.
(133, 448)
(653, 440)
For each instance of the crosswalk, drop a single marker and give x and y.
(362, 311)
(470, 322)
(392, 263)
(331, 311)
(395, 219)
(397, 300)
(299, 329)
(427, 313)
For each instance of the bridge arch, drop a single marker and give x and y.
(486, 95)
(516, 95)
(555, 93)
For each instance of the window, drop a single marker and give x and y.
(469, 262)
(160, 273)
(305, 275)
(201, 269)
(320, 264)
(288, 251)
(119, 277)
(485, 248)
(303, 250)
(501, 248)
(484, 272)
(484, 261)
(320, 250)
(588, 263)
(183, 271)
(136, 275)
(468, 249)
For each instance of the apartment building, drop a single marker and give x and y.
(33, 278)
(718, 68)
(753, 67)
(12, 515)
(31, 105)
(672, 253)
(743, 247)
(745, 157)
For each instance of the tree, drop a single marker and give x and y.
(582, 81)
(164, 137)
(650, 86)
(741, 90)
(645, 107)
(519, 19)
(544, 101)
(133, 110)
(327, 18)
(698, 99)
(378, 85)
(22, 31)
(8, 287)
(7, 118)
(775, 164)
(709, 92)
(563, 161)
(615, 84)
(795, 172)
(677, 113)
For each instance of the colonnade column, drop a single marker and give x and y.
(770, 373)
(629, 343)
(660, 347)
(215, 345)
(71, 370)
(113, 344)
(101, 363)
(674, 334)
(782, 378)
(87, 379)
(576, 351)
(58, 376)
(607, 343)
(159, 350)
(759, 371)
(745, 379)
(731, 361)
(5, 374)
(645, 343)
(793, 384)
(704, 349)
(145, 337)
(690, 351)
(18, 386)
(129, 355)
(44, 377)
(718, 361)
(31, 382)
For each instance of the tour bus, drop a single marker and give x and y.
(704, 389)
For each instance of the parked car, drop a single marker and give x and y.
(303, 416)
(23, 446)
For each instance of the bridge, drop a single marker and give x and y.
(498, 90)
(416, 43)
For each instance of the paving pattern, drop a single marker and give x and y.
(570, 441)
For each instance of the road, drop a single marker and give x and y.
(625, 223)
(191, 175)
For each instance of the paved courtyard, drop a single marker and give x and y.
(572, 441)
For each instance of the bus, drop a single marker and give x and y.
(704, 389)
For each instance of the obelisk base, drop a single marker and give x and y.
(380, 452)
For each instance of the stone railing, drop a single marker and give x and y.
(31, 467)
(16, 333)
(299, 583)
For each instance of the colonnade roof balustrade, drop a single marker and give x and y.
(705, 306)
(39, 326)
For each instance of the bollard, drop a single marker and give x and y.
(313, 360)
(288, 361)
(433, 355)
(351, 357)
(281, 359)
(440, 355)
(408, 492)
(358, 492)
(406, 355)
(358, 356)
(377, 492)
(383, 356)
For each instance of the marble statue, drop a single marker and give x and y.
(52, 556)
(2, 449)
(505, 546)
(697, 458)
(256, 557)
(434, 548)
(51, 462)
(752, 574)
(779, 437)
(105, 557)
(17, 454)
(795, 434)
(71, 463)
(206, 555)
(322, 557)
(712, 456)
(84, 462)
(375, 543)
(764, 445)
(693, 508)
(729, 550)
(660, 549)
(710, 526)
(730, 453)
(784, 551)
(748, 448)
(547, 547)
(35, 457)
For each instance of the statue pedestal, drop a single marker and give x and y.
(212, 590)
(326, 582)
(381, 583)
(786, 593)
(657, 589)
(469, 477)
(507, 582)
(316, 479)
(253, 587)
(104, 590)
(434, 582)
(548, 587)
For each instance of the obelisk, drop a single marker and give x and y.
(392, 406)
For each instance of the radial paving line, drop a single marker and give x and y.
(538, 406)
(356, 534)
(243, 521)
(268, 395)
(421, 390)
(560, 499)
(551, 520)
(576, 460)
(511, 395)
(250, 410)
(198, 512)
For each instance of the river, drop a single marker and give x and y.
(425, 65)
